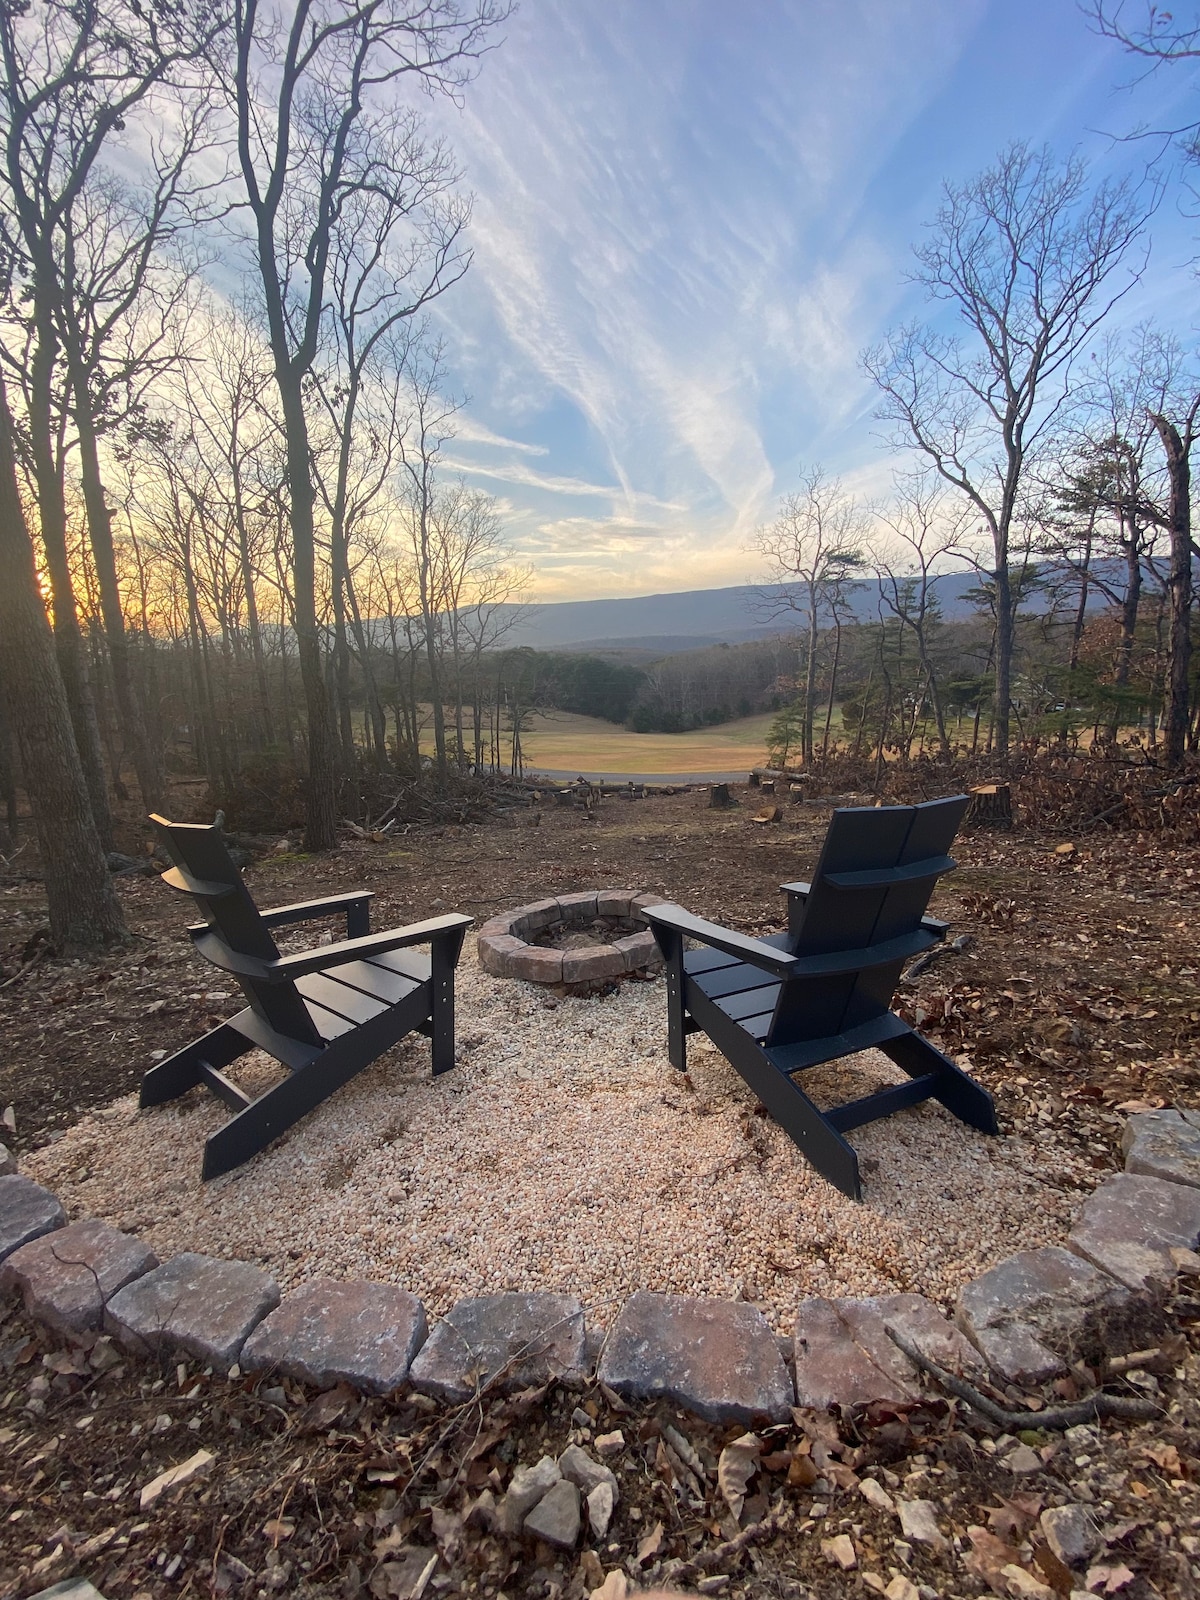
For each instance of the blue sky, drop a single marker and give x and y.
(691, 217)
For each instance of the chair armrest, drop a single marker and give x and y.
(306, 910)
(767, 956)
(453, 925)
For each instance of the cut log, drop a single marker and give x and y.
(991, 806)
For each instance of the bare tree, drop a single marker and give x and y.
(812, 549)
(917, 535)
(71, 77)
(1028, 257)
(310, 86)
(84, 910)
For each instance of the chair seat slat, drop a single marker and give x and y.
(340, 998)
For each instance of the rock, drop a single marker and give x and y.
(528, 1486)
(844, 1356)
(8, 1162)
(533, 919)
(496, 952)
(610, 1444)
(902, 1588)
(69, 1589)
(578, 908)
(840, 1550)
(613, 902)
(918, 1522)
(1041, 1308)
(580, 1469)
(65, 1277)
(638, 950)
(1130, 1225)
(535, 965)
(601, 1502)
(1163, 1144)
(876, 1495)
(716, 1357)
(518, 1339)
(557, 1517)
(328, 1332)
(1071, 1533)
(174, 1477)
(193, 1303)
(592, 964)
(27, 1211)
(1023, 1460)
(1023, 1585)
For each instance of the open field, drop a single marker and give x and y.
(557, 741)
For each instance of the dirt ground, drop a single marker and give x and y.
(1075, 1001)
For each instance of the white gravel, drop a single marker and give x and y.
(566, 1153)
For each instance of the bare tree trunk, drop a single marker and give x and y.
(68, 638)
(84, 909)
(1177, 448)
(129, 712)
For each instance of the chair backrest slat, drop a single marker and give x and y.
(205, 870)
(872, 884)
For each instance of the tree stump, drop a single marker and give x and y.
(719, 797)
(767, 785)
(990, 807)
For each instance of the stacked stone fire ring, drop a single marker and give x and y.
(579, 942)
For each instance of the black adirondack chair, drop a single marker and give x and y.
(325, 1014)
(777, 1006)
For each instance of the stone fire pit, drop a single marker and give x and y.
(578, 940)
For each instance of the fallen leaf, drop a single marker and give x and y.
(1109, 1578)
(1058, 1575)
(650, 1545)
(737, 1465)
(278, 1529)
(988, 1557)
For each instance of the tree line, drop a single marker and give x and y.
(226, 527)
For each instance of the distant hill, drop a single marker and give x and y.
(666, 624)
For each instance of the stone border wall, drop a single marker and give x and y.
(1024, 1319)
(504, 950)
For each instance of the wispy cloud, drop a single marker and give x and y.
(687, 224)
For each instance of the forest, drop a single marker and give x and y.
(232, 546)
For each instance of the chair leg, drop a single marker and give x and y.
(671, 944)
(969, 1101)
(180, 1072)
(441, 1018)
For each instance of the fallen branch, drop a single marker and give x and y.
(710, 1560)
(1069, 1416)
(955, 947)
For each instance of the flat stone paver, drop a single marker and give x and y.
(519, 1340)
(329, 1332)
(1130, 1225)
(1039, 1308)
(193, 1303)
(26, 1212)
(1163, 1144)
(717, 1358)
(844, 1355)
(66, 1277)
